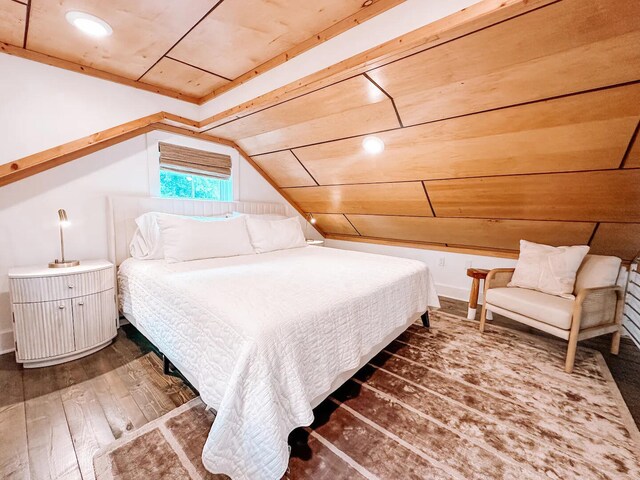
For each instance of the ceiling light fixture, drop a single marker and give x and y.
(89, 24)
(373, 145)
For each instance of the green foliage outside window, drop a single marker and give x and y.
(184, 185)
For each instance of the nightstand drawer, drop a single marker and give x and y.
(60, 287)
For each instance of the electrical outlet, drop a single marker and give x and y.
(441, 262)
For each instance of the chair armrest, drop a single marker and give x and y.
(498, 277)
(589, 294)
(598, 306)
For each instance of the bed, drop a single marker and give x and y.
(266, 337)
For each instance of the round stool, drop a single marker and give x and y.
(476, 274)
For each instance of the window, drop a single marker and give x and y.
(189, 173)
(187, 185)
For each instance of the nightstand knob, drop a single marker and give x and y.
(60, 307)
(70, 286)
(81, 303)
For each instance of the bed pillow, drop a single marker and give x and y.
(146, 243)
(262, 216)
(270, 235)
(186, 239)
(548, 269)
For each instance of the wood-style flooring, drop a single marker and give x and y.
(53, 419)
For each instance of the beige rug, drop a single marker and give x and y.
(441, 403)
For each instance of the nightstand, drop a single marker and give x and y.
(316, 243)
(60, 314)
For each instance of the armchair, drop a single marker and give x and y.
(596, 309)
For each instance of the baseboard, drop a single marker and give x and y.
(451, 291)
(6, 341)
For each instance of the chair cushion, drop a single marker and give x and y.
(597, 271)
(545, 308)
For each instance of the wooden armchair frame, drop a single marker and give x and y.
(586, 300)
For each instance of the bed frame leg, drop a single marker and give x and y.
(166, 365)
(425, 319)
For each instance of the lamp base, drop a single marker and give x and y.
(66, 263)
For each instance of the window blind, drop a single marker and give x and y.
(197, 162)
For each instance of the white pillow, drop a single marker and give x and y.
(270, 235)
(188, 239)
(548, 269)
(262, 216)
(146, 243)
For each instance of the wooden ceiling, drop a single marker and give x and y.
(508, 120)
(527, 128)
(191, 49)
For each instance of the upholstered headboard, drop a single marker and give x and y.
(124, 210)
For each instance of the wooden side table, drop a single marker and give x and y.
(476, 274)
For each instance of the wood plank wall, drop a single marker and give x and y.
(527, 128)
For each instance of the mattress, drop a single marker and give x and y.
(264, 336)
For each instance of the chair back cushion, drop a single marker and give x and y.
(597, 271)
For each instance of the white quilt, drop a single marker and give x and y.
(266, 334)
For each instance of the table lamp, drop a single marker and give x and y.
(63, 222)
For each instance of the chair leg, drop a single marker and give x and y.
(483, 317)
(615, 343)
(571, 353)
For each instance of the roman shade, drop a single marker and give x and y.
(197, 162)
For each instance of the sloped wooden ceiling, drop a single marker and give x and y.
(189, 49)
(525, 129)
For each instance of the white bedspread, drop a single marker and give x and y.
(266, 334)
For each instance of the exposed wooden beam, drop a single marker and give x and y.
(52, 157)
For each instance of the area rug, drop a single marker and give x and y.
(439, 403)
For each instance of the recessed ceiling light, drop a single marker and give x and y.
(89, 24)
(373, 144)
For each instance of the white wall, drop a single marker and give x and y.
(28, 208)
(449, 269)
(43, 107)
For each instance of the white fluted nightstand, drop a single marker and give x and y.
(60, 314)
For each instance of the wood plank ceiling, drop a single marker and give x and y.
(525, 129)
(192, 49)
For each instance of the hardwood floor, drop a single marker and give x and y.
(53, 419)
